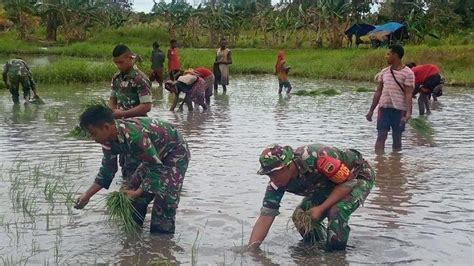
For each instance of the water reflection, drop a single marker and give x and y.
(392, 184)
(155, 250)
(420, 209)
(281, 111)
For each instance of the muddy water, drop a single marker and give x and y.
(420, 211)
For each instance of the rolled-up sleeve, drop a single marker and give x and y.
(271, 201)
(144, 90)
(108, 169)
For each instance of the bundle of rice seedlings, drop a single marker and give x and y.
(120, 210)
(301, 93)
(362, 89)
(37, 100)
(421, 126)
(313, 231)
(303, 221)
(317, 92)
(76, 131)
(330, 92)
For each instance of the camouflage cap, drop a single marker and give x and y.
(275, 157)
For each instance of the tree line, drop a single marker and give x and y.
(321, 22)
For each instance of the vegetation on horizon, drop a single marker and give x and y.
(304, 23)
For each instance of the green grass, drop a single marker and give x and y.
(74, 70)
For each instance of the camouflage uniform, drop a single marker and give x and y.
(130, 89)
(316, 187)
(163, 155)
(17, 72)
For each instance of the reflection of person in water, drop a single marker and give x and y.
(281, 112)
(392, 182)
(30, 113)
(191, 125)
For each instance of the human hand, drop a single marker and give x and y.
(369, 116)
(405, 119)
(118, 114)
(316, 213)
(133, 193)
(81, 201)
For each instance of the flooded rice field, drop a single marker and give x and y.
(420, 211)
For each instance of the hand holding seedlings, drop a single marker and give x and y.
(81, 202)
(133, 193)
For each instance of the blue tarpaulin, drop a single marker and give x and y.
(388, 27)
(359, 29)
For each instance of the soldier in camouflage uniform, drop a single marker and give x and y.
(163, 155)
(131, 89)
(130, 95)
(16, 72)
(334, 184)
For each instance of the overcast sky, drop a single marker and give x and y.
(146, 5)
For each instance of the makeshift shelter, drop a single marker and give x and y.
(359, 29)
(388, 33)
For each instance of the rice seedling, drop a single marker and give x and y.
(51, 115)
(120, 209)
(57, 245)
(195, 250)
(35, 247)
(314, 231)
(37, 100)
(10, 260)
(421, 127)
(77, 132)
(160, 260)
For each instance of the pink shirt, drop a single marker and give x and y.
(392, 94)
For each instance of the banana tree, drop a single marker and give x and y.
(216, 20)
(176, 14)
(48, 9)
(335, 14)
(22, 13)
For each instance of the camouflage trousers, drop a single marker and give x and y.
(164, 190)
(14, 87)
(336, 234)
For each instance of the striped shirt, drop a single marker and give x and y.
(392, 94)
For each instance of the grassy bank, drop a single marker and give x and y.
(456, 61)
